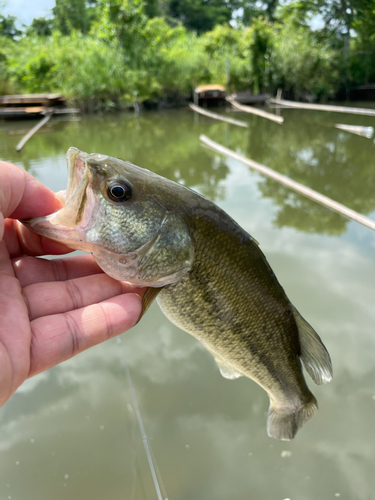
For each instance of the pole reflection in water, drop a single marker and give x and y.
(159, 486)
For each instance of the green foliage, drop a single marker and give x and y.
(6, 85)
(302, 63)
(8, 28)
(123, 51)
(225, 46)
(201, 16)
(78, 65)
(31, 65)
(252, 9)
(72, 15)
(40, 26)
(261, 49)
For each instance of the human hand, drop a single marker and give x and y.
(50, 310)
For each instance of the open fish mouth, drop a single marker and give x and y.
(75, 198)
(66, 224)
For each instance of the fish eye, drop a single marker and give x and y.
(119, 191)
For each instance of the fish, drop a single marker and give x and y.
(208, 275)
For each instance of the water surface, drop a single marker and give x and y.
(72, 432)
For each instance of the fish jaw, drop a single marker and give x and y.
(69, 236)
(69, 224)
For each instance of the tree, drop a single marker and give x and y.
(261, 51)
(41, 27)
(349, 27)
(74, 15)
(201, 15)
(123, 21)
(252, 9)
(8, 27)
(155, 8)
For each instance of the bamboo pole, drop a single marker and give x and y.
(367, 132)
(256, 111)
(202, 111)
(31, 132)
(324, 107)
(309, 193)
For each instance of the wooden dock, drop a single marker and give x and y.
(33, 106)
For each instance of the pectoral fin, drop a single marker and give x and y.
(148, 298)
(170, 255)
(228, 371)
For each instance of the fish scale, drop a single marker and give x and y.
(243, 333)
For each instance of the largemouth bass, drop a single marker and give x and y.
(209, 276)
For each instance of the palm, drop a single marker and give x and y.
(52, 309)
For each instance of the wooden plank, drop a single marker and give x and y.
(246, 97)
(28, 109)
(324, 107)
(296, 186)
(202, 111)
(34, 109)
(61, 111)
(255, 111)
(31, 132)
(30, 98)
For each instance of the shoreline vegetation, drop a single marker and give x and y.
(116, 54)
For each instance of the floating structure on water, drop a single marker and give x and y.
(216, 116)
(208, 95)
(33, 105)
(255, 111)
(213, 94)
(323, 107)
(367, 132)
(247, 97)
(295, 186)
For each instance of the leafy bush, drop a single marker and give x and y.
(301, 62)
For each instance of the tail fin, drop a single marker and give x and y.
(284, 423)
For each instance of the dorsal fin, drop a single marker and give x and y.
(314, 355)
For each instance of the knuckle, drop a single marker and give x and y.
(75, 294)
(73, 331)
(59, 268)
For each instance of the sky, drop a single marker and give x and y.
(26, 10)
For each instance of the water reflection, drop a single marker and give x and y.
(166, 143)
(309, 150)
(71, 433)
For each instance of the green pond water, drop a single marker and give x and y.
(72, 432)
